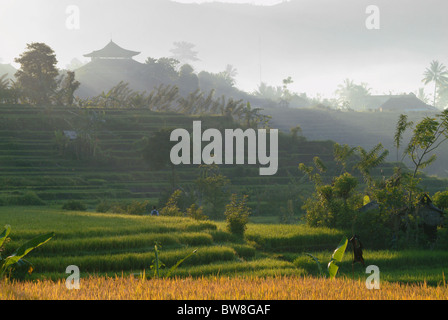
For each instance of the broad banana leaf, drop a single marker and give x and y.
(337, 256)
(332, 269)
(4, 234)
(25, 249)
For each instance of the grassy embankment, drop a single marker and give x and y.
(111, 244)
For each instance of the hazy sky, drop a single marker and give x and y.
(255, 2)
(318, 43)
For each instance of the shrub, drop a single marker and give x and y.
(29, 198)
(103, 207)
(237, 215)
(244, 251)
(74, 205)
(196, 213)
(138, 208)
(133, 208)
(171, 209)
(441, 199)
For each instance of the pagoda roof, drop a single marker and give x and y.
(112, 50)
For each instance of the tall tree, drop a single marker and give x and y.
(37, 74)
(213, 189)
(437, 73)
(352, 95)
(183, 51)
(188, 80)
(68, 87)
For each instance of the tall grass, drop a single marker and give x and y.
(113, 243)
(219, 288)
(136, 261)
(293, 238)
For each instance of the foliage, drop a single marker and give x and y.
(336, 203)
(157, 264)
(164, 68)
(336, 257)
(67, 85)
(17, 256)
(38, 72)
(405, 194)
(440, 199)
(370, 160)
(28, 198)
(171, 208)
(351, 95)
(427, 136)
(437, 73)
(10, 90)
(196, 213)
(331, 205)
(132, 208)
(287, 214)
(183, 51)
(237, 215)
(74, 205)
(212, 187)
(156, 151)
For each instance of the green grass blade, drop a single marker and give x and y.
(319, 267)
(173, 268)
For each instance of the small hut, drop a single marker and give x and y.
(431, 216)
(405, 103)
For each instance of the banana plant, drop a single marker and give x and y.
(157, 264)
(337, 256)
(22, 251)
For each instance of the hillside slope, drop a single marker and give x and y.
(364, 129)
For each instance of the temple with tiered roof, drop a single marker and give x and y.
(112, 51)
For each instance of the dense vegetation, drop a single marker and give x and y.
(109, 244)
(91, 170)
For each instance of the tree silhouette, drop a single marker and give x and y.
(437, 73)
(38, 72)
(351, 94)
(183, 51)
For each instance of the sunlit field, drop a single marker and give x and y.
(219, 288)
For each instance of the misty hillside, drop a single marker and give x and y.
(318, 43)
(364, 129)
(7, 69)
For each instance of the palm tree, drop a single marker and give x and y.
(437, 73)
(251, 116)
(183, 51)
(351, 94)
